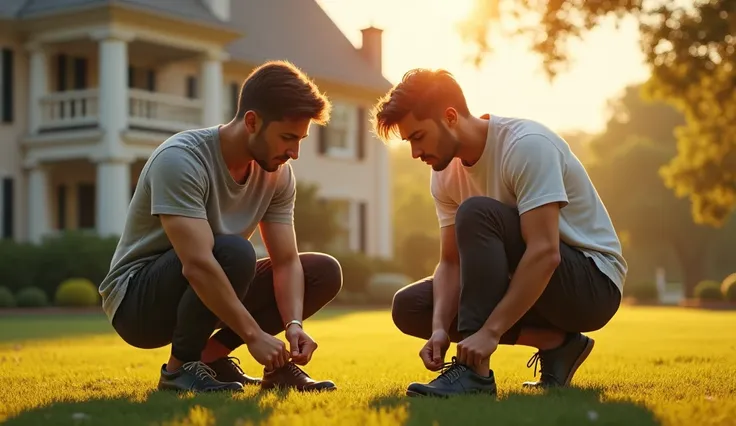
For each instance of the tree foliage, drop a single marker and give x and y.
(691, 54)
(639, 139)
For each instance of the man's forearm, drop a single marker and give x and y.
(214, 289)
(528, 282)
(288, 282)
(446, 292)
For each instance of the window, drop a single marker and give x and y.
(86, 207)
(6, 85)
(191, 87)
(6, 207)
(342, 136)
(341, 242)
(141, 78)
(61, 207)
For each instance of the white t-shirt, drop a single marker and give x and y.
(525, 164)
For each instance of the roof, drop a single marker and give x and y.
(10, 8)
(186, 9)
(306, 36)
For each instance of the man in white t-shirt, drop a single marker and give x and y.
(529, 255)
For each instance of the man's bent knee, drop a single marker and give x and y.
(401, 307)
(476, 210)
(329, 273)
(237, 257)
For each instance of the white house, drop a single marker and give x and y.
(89, 88)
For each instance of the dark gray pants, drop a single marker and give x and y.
(578, 298)
(160, 307)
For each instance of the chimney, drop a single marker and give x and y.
(219, 8)
(371, 48)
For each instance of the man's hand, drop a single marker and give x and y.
(433, 352)
(268, 351)
(476, 348)
(301, 345)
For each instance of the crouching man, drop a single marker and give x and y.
(529, 255)
(184, 266)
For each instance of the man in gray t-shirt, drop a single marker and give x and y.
(529, 255)
(185, 267)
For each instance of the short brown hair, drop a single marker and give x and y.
(424, 92)
(278, 90)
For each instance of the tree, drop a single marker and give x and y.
(639, 139)
(691, 54)
(315, 221)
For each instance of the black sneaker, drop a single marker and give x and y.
(560, 364)
(227, 370)
(455, 379)
(194, 376)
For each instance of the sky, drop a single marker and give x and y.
(422, 33)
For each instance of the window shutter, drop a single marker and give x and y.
(234, 96)
(151, 80)
(61, 207)
(8, 208)
(80, 73)
(361, 132)
(322, 145)
(131, 76)
(6, 87)
(363, 226)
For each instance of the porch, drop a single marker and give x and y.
(113, 80)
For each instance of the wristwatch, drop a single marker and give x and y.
(297, 322)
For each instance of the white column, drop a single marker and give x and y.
(112, 196)
(37, 86)
(113, 89)
(383, 222)
(38, 204)
(211, 76)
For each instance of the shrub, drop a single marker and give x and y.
(73, 254)
(77, 292)
(728, 288)
(7, 300)
(642, 291)
(382, 287)
(357, 270)
(31, 297)
(18, 264)
(708, 290)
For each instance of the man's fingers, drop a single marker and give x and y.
(436, 351)
(294, 345)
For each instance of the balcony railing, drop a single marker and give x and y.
(69, 110)
(161, 111)
(75, 109)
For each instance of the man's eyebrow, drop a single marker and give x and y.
(413, 134)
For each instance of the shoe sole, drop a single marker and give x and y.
(579, 361)
(417, 394)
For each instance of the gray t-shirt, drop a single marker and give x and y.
(525, 164)
(187, 176)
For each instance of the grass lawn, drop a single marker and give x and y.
(664, 366)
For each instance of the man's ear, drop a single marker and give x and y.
(450, 117)
(251, 121)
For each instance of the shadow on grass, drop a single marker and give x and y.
(159, 408)
(555, 407)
